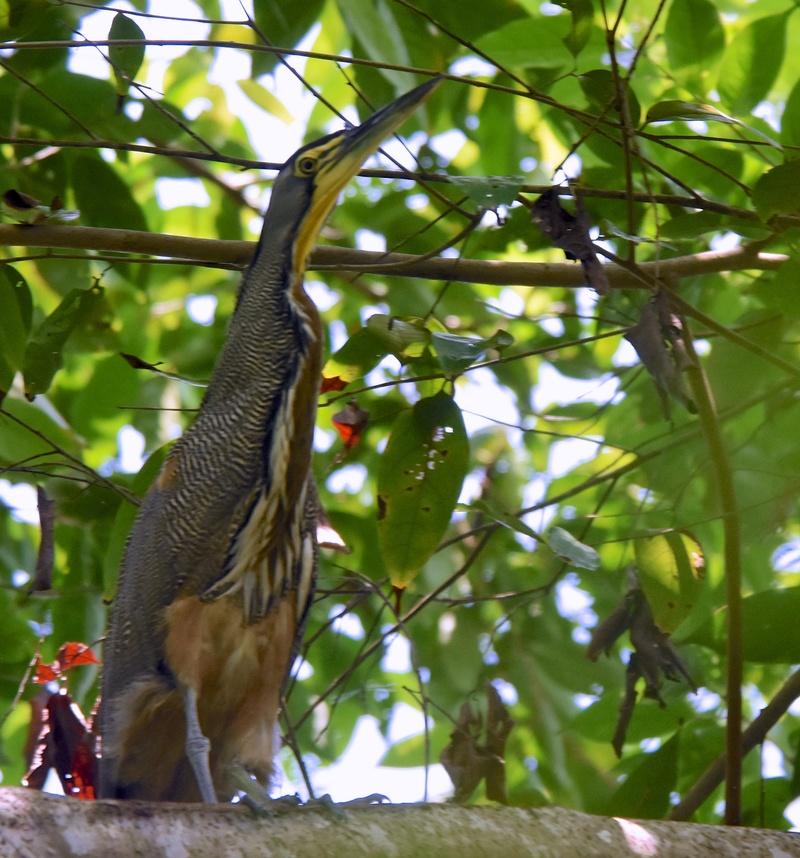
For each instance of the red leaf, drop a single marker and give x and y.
(350, 423)
(72, 654)
(332, 384)
(46, 672)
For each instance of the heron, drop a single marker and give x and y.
(220, 567)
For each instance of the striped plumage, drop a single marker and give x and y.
(219, 569)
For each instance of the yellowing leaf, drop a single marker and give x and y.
(671, 569)
(261, 96)
(419, 481)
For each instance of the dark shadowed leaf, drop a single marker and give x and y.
(776, 192)
(645, 794)
(44, 354)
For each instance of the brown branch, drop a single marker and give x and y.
(204, 250)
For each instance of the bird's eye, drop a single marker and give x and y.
(306, 165)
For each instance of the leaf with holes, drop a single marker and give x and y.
(489, 191)
(419, 481)
(671, 570)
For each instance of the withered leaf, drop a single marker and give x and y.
(658, 340)
(467, 761)
(498, 727)
(654, 655)
(571, 233)
(66, 745)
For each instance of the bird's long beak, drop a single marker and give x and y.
(359, 143)
(348, 149)
(341, 155)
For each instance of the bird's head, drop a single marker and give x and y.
(310, 182)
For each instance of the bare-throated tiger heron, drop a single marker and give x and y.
(220, 566)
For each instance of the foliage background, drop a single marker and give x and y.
(534, 90)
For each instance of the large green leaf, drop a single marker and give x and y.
(419, 481)
(372, 22)
(693, 33)
(769, 623)
(530, 43)
(15, 299)
(752, 62)
(103, 197)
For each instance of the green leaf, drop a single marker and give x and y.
(44, 352)
(490, 191)
(383, 335)
(671, 569)
(456, 353)
(752, 62)
(600, 90)
(262, 97)
(790, 121)
(693, 33)
(15, 299)
(103, 198)
(778, 190)
(645, 793)
(126, 60)
(688, 111)
(373, 24)
(283, 22)
(564, 544)
(530, 43)
(419, 481)
(19, 17)
(769, 626)
(582, 23)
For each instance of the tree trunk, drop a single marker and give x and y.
(36, 825)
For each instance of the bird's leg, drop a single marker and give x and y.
(197, 746)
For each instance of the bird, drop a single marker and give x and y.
(220, 567)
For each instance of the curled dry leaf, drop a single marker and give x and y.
(571, 233)
(653, 655)
(658, 340)
(467, 761)
(66, 745)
